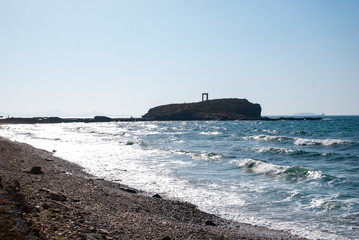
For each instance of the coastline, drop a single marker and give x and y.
(63, 202)
(99, 119)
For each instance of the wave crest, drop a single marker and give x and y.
(207, 156)
(274, 150)
(290, 172)
(324, 142)
(300, 141)
(267, 138)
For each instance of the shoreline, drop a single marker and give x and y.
(100, 119)
(61, 201)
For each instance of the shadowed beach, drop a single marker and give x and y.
(45, 197)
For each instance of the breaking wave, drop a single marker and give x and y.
(210, 133)
(290, 172)
(275, 150)
(208, 156)
(268, 138)
(324, 142)
(300, 141)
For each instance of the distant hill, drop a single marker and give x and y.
(52, 113)
(307, 114)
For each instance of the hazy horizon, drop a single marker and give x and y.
(124, 57)
(91, 114)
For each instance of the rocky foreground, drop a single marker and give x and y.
(45, 197)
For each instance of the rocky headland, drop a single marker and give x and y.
(217, 109)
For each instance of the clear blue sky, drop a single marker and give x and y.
(124, 57)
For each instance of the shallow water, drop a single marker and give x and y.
(297, 176)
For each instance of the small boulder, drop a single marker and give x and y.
(210, 223)
(57, 196)
(128, 190)
(36, 170)
(156, 196)
(103, 232)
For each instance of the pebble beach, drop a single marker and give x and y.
(45, 197)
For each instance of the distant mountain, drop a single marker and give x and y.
(307, 114)
(89, 114)
(52, 113)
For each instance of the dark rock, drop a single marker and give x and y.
(210, 223)
(57, 196)
(156, 196)
(35, 170)
(92, 236)
(45, 205)
(52, 120)
(138, 209)
(166, 238)
(218, 109)
(128, 190)
(102, 119)
(103, 232)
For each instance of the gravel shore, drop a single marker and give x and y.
(45, 197)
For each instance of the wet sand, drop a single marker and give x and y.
(57, 200)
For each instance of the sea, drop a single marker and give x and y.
(298, 176)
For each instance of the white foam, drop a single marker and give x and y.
(199, 155)
(268, 138)
(273, 150)
(210, 133)
(297, 173)
(312, 142)
(270, 131)
(262, 167)
(314, 174)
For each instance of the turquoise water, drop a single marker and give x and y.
(297, 176)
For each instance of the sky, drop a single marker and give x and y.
(123, 57)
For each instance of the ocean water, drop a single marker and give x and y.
(297, 176)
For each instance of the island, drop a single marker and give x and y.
(217, 109)
(225, 109)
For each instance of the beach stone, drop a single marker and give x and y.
(58, 197)
(45, 205)
(156, 196)
(90, 236)
(103, 231)
(36, 170)
(128, 190)
(210, 223)
(166, 238)
(138, 209)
